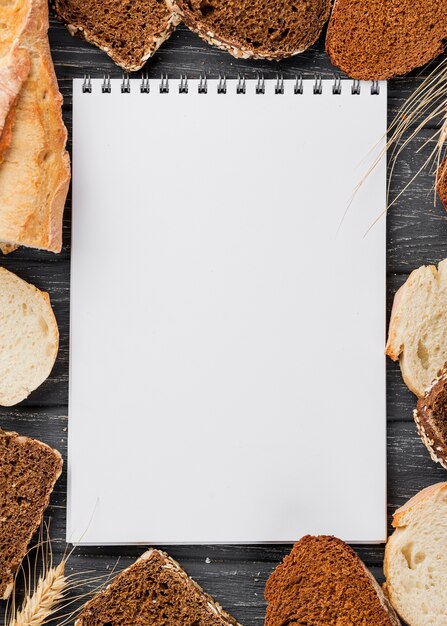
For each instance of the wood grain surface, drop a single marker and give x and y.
(417, 234)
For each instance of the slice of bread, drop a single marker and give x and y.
(29, 338)
(256, 29)
(14, 70)
(441, 186)
(430, 416)
(35, 172)
(415, 563)
(128, 32)
(154, 590)
(417, 333)
(28, 472)
(376, 40)
(322, 582)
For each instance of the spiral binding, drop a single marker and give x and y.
(241, 84)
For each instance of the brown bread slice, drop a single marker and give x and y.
(129, 32)
(430, 416)
(441, 186)
(322, 582)
(256, 28)
(377, 39)
(154, 590)
(28, 472)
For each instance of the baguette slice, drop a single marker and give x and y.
(415, 563)
(417, 333)
(256, 29)
(29, 338)
(14, 70)
(377, 39)
(28, 472)
(322, 582)
(154, 590)
(35, 172)
(441, 185)
(129, 33)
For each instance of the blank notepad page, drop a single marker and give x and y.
(227, 369)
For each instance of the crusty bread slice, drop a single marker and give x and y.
(322, 582)
(441, 186)
(417, 333)
(415, 563)
(154, 590)
(14, 70)
(29, 338)
(377, 39)
(257, 29)
(28, 472)
(128, 32)
(35, 172)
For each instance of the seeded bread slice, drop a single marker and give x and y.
(415, 562)
(417, 333)
(154, 590)
(28, 472)
(441, 186)
(129, 32)
(256, 28)
(322, 582)
(29, 338)
(377, 39)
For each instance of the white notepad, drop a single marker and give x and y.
(227, 377)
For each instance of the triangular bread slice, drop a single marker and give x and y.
(29, 338)
(377, 39)
(28, 472)
(322, 582)
(415, 563)
(14, 70)
(154, 590)
(441, 185)
(256, 29)
(430, 416)
(129, 33)
(417, 333)
(35, 172)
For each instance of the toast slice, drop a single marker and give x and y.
(35, 172)
(14, 70)
(28, 471)
(154, 590)
(256, 29)
(416, 559)
(129, 33)
(441, 184)
(29, 338)
(322, 582)
(417, 333)
(376, 40)
(430, 416)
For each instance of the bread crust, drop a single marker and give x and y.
(441, 182)
(14, 70)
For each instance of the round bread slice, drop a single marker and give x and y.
(417, 333)
(415, 563)
(377, 39)
(29, 338)
(256, 29)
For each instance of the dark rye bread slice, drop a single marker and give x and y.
(28, 472)
(258, 29)
(377, 39)
(154, 590)
(129, 32)
(430, 416)
(322, 582)
(441, 186)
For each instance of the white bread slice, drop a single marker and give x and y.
(417, 334)
(14, 70)
(415, 563)
(35, 172)
(29, 338)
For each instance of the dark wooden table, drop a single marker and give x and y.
(417, 234)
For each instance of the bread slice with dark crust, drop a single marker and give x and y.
(322, 582)
(441, 185)
(255, 28)
(129, 32)
(430, 416)
(377, 39)
(28, 472)
(154, 590)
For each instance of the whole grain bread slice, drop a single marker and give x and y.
(376, 40)
(154, 590)
(28, 471)
(441, 186)
(430, 416)
(256, 28)
(129, 32)
(322, 582)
